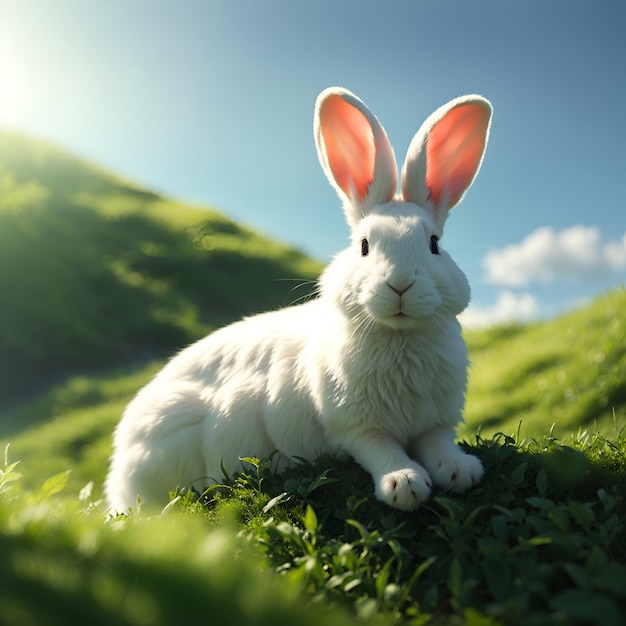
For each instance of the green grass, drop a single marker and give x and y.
(541, 541)
(63, 564)
(107, 279)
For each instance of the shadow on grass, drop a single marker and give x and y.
(82, 292)
(505, 548)
(341, 489)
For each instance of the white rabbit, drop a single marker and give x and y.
(375, 367)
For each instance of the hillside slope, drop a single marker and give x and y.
(568, 373)
(96, 272)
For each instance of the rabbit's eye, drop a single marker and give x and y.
(434, 244)
(365, 247)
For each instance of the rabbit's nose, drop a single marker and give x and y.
(400, 289)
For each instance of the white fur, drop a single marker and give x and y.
(375, 367)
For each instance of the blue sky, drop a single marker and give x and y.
(212, 102)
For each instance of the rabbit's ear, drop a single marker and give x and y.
(354, 151)
(445, 154)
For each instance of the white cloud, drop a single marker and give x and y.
(615, 253)
(577, 253)
(508, 307)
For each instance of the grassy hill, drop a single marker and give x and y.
(101, 280)
(568, 373)
(95, 272)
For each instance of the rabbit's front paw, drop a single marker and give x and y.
(457, 472)
(404, 489)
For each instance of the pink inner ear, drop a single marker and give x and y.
(454, 150)
(349, 144)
